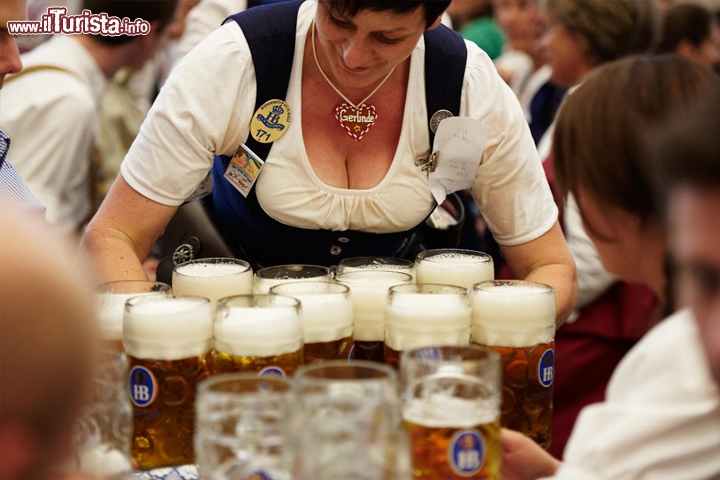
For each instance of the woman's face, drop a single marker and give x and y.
(566, 56)
(614, 233)
(522, 23)
(359, 51)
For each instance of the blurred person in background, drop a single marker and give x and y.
(661, 415)
(47, 345)
(50, 110)
(474, 20)
(693, 31)
(13, 191)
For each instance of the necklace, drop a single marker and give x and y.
(355, 119)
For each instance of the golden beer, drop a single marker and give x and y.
(283, 365)
(527, 400)
(163, 395)
(517, 319)
(167, 340)
(332, 350)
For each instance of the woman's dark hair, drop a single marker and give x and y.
(599, 135)
(433, 8)
(686, 21)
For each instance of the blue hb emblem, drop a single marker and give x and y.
(429, 354)
(259, 476)
(546, 368)
(143, 386)
(272, 372)
(466, 452)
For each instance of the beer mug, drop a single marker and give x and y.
(102, 432)
(242, 427)
(421, 315)
(110, 298)
(327, 318)
(369, 290)
(517, 318)
(168, 340)
(449, 266)
(353, 264)
(270, 276)
(346, 423)
(213, 278)
(451, 410)
(258, 333)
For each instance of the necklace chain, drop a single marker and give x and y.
(333, 86)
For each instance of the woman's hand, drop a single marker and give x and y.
(523, 459)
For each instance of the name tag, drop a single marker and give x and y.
(243, 170)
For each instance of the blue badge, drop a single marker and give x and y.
(466, 453)
(272, 372)
(143, 386)
(429, 354)
(546, 368)
(260, 475)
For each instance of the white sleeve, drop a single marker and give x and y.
(510, 187)
(196, 116)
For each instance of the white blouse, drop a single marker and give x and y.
(205, 106)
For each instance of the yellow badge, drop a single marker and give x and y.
(270, 121)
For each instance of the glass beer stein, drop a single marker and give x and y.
(450, 266)
(327, 318)
(168, 340)
(451, 410)
(421, 315)
(213, 278)
(517, 319)
(258, 333)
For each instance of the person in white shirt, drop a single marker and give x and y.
(50, 109)
(661, 415)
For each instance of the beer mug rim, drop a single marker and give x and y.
(539, 288)
(477, 354)
(276, 385)
(121, 287)
(213, 261)
(333, 288)
(364, 262)
(428, 289)
(258, 300)
(361, 276)
(427, 255)
(292, 271)
(377, 371)
(135, 301)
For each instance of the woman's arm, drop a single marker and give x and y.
(547, 260)
(122, 232)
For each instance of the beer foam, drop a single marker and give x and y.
(168, 328)
(451, 412)
(258, 332)
(513, 306)
(104, 460)
(211, 270)
(416, 320)
(369, 291)
(110, 308)
(213, 280)
(511, 336)
(326, 317)
(263, 285)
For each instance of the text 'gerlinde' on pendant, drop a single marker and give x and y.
(356, 121)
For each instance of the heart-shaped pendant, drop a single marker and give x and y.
(356, 121)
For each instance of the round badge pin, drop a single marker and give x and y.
(438, 117)
(270, 121)
(546, 368)
(143, 386)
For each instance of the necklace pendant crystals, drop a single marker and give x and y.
(356, 120)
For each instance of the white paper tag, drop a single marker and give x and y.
(243, 169)
(459, 144)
